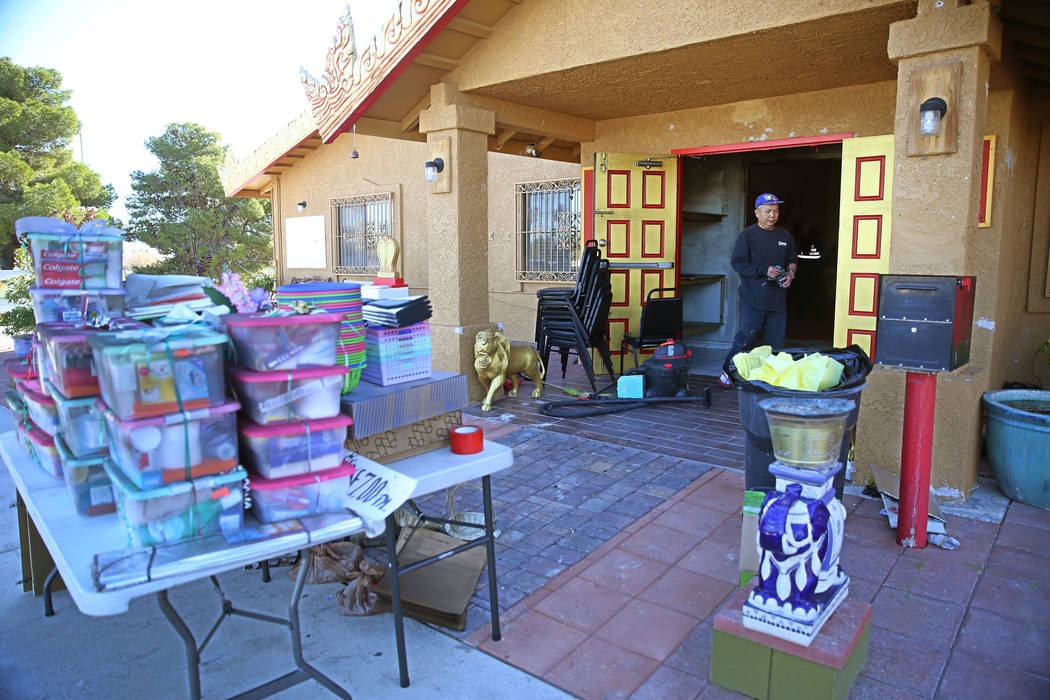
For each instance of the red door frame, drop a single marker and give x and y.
(794, 142)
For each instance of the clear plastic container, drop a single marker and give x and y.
(263, 342)
(293, 395)
(41, 407)
(76, 305)
(81, 425)
(305, 494)
(67, 355)
(174, 447)
(19, 371)
(67, 258)
(179, 511)
(40, 369)
(16, 405)
(159, 371)
(286, 449)
(42, 447)
(89, 485)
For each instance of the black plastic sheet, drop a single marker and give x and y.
(856, 365)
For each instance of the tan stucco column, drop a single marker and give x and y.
(945, 49)
(457, 229)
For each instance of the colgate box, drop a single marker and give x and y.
(286, 449)
(68, 356)
(67, 258)
(76, 305)
(265, 342)
(153, 372)
(292, 395)
(305, 494)
(174, 447)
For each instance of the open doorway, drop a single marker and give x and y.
(718, 195)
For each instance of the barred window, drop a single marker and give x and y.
(360, 222)
(548, 235)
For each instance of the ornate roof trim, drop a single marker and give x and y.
(352, 82)
(236, 173)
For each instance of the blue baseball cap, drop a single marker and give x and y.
(767, 198)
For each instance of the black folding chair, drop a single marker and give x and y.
(661, 319)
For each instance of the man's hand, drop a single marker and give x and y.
(787, 280)
(773, 272)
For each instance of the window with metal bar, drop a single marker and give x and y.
(549, 234)
(360, 222)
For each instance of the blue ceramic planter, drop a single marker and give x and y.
(1018, 436)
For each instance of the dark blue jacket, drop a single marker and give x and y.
(755, 250)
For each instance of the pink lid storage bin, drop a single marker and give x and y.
(179, 511)
(286, 449)
(76, 305)
(263, 342)
(157, 371)
(41, 407)
(19, 371)
(293, 395)
(89, 485)
(305, 494)
(68, 357)
(67, 258)
(42, 447)
(80, 421)
(174, 447)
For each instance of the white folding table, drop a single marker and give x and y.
(74, 540)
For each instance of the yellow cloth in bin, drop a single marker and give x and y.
(813, 372)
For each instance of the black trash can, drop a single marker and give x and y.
(758, 449)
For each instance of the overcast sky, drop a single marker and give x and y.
(134, 67)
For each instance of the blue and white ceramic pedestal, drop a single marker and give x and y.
(800, 530)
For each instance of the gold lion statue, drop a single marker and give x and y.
(496, 359)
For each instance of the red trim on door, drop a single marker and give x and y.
(588, 204)
(773, 144)
(882, 179)
(609, 189)
(645, 225)
(609, 240)
(850, 332)
(874, 277)
(626, 287)
(626, 324)
(676, 277)
(643, 292)
(663, 186)
(878, 237)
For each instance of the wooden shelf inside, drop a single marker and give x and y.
(696, 327)
(701, 216)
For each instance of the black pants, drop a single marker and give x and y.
(754, 325)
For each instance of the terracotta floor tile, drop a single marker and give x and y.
(662, 544)
(1007, 641)
(934, 579)
(1006, 562)
(862, 589)
(715, 559)
(904, 662)
(728, 532)
(867, 508)
(598, 669)
(624, 571)
(1028, 515)
(649, 629)
(534, 643)
(1020, 600)
(670, 684)
(1027, 538)
(916, 616)
(969, 676)
(713, 691)
(869, 564)
(693, 655)
(691, 518)
(718, 495)
(730, 477)
(687, 592)
(870, 689)
(583, 604)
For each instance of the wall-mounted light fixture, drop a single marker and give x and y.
(301, 206)
(436, 170)
(354, 154)
(431, 169)
(930, 113)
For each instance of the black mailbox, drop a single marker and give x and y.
(924, 321)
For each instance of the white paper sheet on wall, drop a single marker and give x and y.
(304, 246)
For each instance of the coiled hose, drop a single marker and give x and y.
(583, 408)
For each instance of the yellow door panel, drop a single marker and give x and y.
(864, 237)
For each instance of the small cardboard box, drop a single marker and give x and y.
(421, 436)
(377, 409)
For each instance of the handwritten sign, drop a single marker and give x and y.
(375, 490)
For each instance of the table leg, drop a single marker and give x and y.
(266, 570)
(192, 655)
(49, 608)
(395, 600)
(490, 547)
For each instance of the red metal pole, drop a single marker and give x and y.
(920, 400)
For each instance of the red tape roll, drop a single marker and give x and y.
(466, 439)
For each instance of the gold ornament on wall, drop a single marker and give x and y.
(496, 359)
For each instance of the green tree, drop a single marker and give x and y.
(38, 176)
(181, 210)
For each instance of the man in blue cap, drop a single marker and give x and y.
(765, 258)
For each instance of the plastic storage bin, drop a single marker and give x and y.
(19, 371)
(16, 405)
(67, 258)
(89, 485)
(68, 358)
(42, 447)
(263, 342)
(76, 305)
(41, 407)
(293, 395)
(304, 494)
(152, 373)
(174, 447)
(179, 511)
(80, 421)
(286, 449)
(40, 372)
